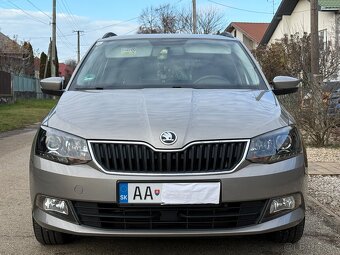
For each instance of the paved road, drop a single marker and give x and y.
(16, 235)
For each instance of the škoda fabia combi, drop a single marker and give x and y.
(168, 135)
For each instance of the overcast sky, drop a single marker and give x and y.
(30, 19)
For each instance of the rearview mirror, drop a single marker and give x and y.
(52, 86)
(285, 85)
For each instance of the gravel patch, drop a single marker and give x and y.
(323, 154)
(326, 189)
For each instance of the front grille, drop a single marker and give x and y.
(224, 216)
(197, 158)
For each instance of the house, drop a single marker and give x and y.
(65, 70)
(11, 55)
(293, 16)
(249, 33)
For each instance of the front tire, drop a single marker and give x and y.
(290, 235)
(50, 237)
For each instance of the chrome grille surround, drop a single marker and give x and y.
(150, 173)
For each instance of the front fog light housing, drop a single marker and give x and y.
(55, 205)
(286, 203)
(283, 203)
(51, 204)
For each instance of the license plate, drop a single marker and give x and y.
(169, 193)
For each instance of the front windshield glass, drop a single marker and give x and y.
(156, 63)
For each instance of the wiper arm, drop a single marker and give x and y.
(89, 88)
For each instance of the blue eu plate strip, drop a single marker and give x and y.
(123, 193)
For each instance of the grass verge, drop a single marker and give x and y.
(23, 113)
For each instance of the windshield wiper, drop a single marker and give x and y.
(89, 88)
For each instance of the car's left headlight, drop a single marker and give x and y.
(61, 147)
(275, 146)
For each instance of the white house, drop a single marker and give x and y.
(248, 33)
(293, 16)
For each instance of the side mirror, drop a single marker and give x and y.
(52, 86)
(285, 85)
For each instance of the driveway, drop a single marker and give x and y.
(16, 237)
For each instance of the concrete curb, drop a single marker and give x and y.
(328, 214)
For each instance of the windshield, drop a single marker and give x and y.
(156, 63)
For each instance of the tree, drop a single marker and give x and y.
(71, 65)
(169, 19)
(43, 59)
(48, 73)
(209, 20)
(28, 59)
(149, 21)
(292, 56)
(57, 62)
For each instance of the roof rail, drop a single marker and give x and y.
(227, 34)
(109, 34)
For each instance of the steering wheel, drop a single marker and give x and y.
(213, 79)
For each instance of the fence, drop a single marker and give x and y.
(6, 95)
(26, 87)
(14, 87)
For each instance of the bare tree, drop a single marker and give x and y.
(71, 63)
(149, 21)
(292, 56)
(185, 23)
(169, 19)
(209, 20)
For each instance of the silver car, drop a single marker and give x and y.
(168, 135)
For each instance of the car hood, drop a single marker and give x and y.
(143, 114)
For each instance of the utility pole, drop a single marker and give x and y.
(194, 17)
(54, 38)
(314, 39)
(78, 51)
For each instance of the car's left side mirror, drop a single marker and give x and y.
(52, 86)
(285, 85)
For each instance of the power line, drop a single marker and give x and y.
(239, 9)
(130, 31)
(64, 36)
(112, 25)
(70, 12)
(28, 14)
(66, 15)
(36, 7)
(70, 17)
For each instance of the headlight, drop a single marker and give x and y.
(275, 146)
(61, 147)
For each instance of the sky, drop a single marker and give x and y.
(29, 20)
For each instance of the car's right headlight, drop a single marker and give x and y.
(275, 146)
(61, 147)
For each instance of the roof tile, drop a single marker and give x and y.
(253, 30)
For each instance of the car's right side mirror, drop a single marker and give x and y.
(285, 85)
(52, 86)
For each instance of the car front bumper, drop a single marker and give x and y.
(251, 182)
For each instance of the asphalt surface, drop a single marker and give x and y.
(16, 236)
